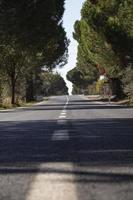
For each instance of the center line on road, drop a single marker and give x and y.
(62, 116)
(63, 113)
(61, 122)
(60, 135)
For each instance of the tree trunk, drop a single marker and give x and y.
(13, 93)
(116, 86)
(29, 90)
(0, 92)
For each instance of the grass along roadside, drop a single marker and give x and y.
(125, 101)
(21, 104)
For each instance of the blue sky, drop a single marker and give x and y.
(72, 13)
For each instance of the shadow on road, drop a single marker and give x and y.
(101, 139)
(53, 107)
(92, 146)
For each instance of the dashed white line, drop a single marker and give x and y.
(63, 112)
(62, 116)
(60, 135)
(61, 122)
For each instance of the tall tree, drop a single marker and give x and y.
(105, 38)
(32, 28)
(53, 84)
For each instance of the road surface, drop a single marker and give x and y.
(69, 148)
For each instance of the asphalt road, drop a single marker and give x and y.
(69, 148)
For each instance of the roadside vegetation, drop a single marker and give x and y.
(32, 39)
(105, 48)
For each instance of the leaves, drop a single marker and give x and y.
(31, 36)
(105, 38)
(53, 84)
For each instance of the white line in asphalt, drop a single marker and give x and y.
(63, 112)
(61, 122)
(62, 116)
(60, 135)
(67, 100)
(65, 106)
(51, 185)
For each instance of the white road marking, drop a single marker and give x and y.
(63, 113)
(61, 122)
(60, 135)
(54, 185)
(62, 116)
(67, 100)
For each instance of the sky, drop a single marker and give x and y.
(72, 13)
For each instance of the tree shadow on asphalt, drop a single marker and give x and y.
(70, 107)
(79, 106)
(93, 147)
(73, 105)
(32, 140)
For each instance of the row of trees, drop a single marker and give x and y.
(52, 84)
(31, 38)
(105, 38)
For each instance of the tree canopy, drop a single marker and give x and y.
(53, 84)
(105, 38)
(31, 31)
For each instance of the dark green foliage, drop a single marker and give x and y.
(32, 31)
(76, 90)
(105, 37)
(76, 77)
(128, 82)
(36, 26)
(53, 84)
